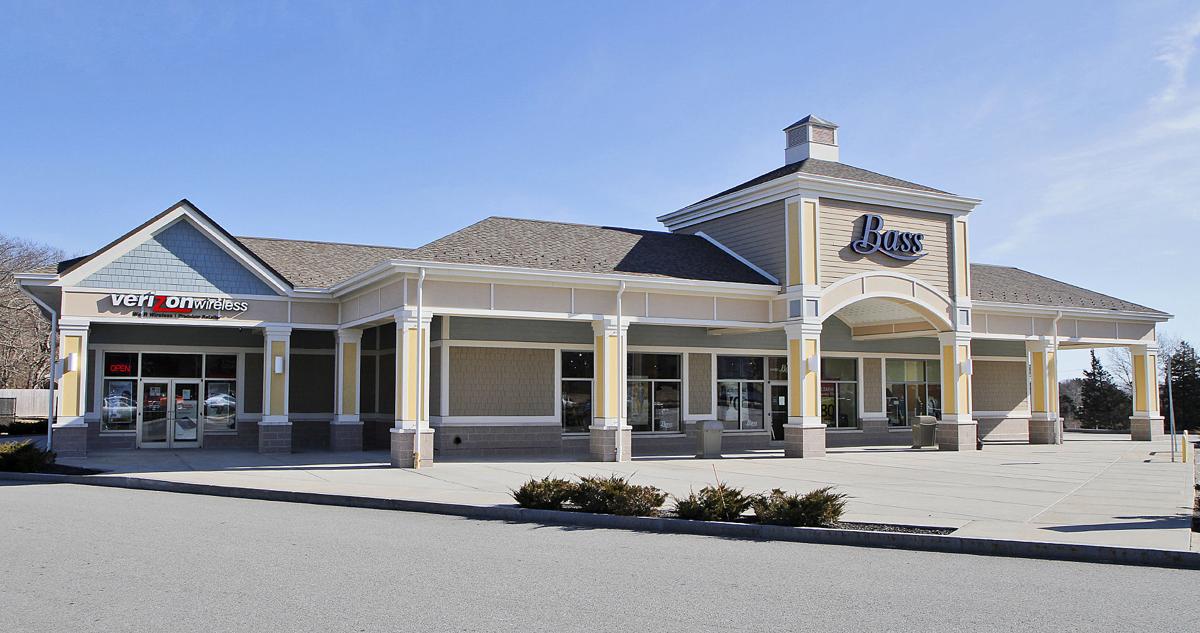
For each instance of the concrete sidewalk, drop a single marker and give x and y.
(1099, 490)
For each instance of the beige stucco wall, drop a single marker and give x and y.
(1000, 386)
(700, 372)
(501, 381)
(314, 312)
(839, 225)
(872, 375)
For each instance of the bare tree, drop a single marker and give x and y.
(1119, 361)
(24, 331)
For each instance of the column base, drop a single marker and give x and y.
(274, 437)
(602, 443)
(345, 436)
(1146, 429)
(957, 436)
(801, 440)
(69, 440)
(402, 448)
(1045, 431)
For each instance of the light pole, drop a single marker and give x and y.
(1171, 409)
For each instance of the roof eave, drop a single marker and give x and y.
(797, 183)
(1071, 311)
(515, 273)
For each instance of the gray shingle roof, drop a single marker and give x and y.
(829, 169)
(319, 264)
(585, 248)
(1013, 285)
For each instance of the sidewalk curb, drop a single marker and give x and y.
(826, 536)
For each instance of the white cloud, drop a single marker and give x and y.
(1178, 50)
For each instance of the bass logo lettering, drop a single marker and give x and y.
(903, 246)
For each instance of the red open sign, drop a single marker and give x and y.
(119, 369)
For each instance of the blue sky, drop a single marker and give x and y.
(1077, 123)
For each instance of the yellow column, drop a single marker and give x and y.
(1146, 423)
(72, 382)
(277, 363)
(411, 434)
(1045, 426)
(610, 434)
(345, 429)
(956, 430)
(804, 433)
(801, 217)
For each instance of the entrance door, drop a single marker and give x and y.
(169, 414)
(185, 432)
(778, 410)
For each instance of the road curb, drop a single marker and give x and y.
(826, 536)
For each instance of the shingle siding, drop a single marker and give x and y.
(757, 234)
(179, 259)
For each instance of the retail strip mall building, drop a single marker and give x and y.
(816, 305)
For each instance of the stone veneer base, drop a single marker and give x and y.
(956, 436)
(346, 436)
(70, 441)
(402, 448)
(602, 444)
(803, 441)
(275, 438)
(1146, 429)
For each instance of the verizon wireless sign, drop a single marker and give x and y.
(158, 304)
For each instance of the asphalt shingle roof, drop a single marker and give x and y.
(585, 248)
(319, 264)
(827, 168)
(1013, 285)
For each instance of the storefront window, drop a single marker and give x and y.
(740, 392)
(171, 365)
(220, 405)
(914, 388)
(577, 373)
(123, 364)
(118, 411)
(839, 393)
(654, 392)
(220, 366)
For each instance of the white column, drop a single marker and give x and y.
(1146, 423)
(348, 383)
(277, 350)
(411, 434)
(610, 435)
(956, 430)
(1045, 426)
(804, 433)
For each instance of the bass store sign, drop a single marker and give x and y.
(156, 304)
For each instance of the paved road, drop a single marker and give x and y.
(75, 558)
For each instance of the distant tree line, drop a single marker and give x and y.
(24, 331)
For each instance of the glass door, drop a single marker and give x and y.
(154, 415)
(169, 415)
(185, 432)
(778, 410)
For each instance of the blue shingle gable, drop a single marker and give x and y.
(182, 259)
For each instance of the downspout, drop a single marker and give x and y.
(53, 359)
(422, 408)
(1059, 422)
(621, 377)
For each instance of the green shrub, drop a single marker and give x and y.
(547, 493)
(615, 495)
(819, 507)
(24, 427)
(24, 457)
(713, 503)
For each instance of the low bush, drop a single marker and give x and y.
(24, 457)
(713, 503)
(547, 493)
(814, 509)
(615, 495)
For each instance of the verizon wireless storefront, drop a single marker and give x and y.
(816, 305)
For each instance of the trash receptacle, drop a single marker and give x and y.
(924, 431)
(709, 439)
